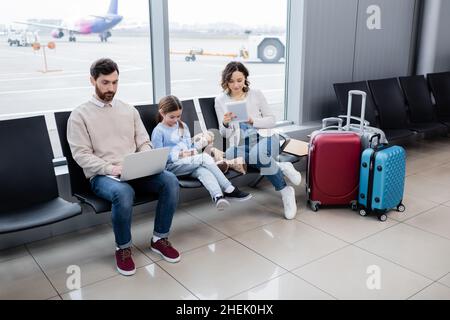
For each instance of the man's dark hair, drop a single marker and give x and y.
(103, 66)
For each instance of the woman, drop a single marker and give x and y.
(245, 141)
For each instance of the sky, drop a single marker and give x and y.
(243, 12)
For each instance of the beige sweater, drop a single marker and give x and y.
(100, 137)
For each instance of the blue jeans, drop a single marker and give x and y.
(203, 167)
(121, 195)
(259, 152)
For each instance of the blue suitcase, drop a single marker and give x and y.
(382, 180)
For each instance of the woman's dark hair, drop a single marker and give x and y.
(169, 104)
(227, 73)
(103, 66)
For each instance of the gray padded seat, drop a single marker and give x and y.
(29, 190)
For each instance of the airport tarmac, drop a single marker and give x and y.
(25, 88)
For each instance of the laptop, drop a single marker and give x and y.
(143, 164)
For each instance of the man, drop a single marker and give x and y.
(101, 132)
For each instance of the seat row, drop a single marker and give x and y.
(402, 107)
(30, 196)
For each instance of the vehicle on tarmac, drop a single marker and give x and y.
(22, 38)
(260, 48)
(266, 48)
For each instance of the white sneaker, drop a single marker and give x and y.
(289, 202)
(290, 172)
(221, 203)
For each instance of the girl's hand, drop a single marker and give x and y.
(187, 153)
(227, 118)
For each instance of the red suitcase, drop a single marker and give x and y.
(333, 169)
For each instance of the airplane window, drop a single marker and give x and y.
(79, 32)
(207, 34)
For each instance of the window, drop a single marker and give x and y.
(30, 85)
(207, 34)
(27, 84)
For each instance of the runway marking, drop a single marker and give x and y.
(88, 87)
(187, 80)
(267, 75)
(272, 90)
(122, 85)
(53, 76)
(27, 73)
(41, 90)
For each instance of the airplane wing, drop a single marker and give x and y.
(104, 18)
(50, 26)
(100, 17)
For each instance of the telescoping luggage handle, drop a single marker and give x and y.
(379, 144)
(363, 109)
(325, 122)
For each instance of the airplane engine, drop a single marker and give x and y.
(57, 34)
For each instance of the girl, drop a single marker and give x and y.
(183, 158)
(245, 141)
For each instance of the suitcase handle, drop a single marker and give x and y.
(333, 119)
(366, 123)
(338, 128)
(363, 108)
(372, 138)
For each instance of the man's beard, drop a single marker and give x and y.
(107, 96)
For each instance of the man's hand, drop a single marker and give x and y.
(117, 171)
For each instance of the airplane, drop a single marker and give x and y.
(88, 25)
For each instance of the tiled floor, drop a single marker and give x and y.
(252, 252)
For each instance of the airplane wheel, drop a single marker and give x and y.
(187, 59)
(270, 50)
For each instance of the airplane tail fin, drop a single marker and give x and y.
(113, 7)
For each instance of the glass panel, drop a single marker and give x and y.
(82, 31)
(27, 84)
(207, 34)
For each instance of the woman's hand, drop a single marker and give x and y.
(227, 118)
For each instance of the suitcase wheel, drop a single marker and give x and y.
(314, 206)
(354, 205)
(401, 208)
(382, 217)
(362, 212)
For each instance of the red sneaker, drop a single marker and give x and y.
(165, 249)
(125, 264)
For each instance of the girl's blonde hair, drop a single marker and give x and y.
(170, 104)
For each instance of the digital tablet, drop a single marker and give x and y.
(239, 108)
